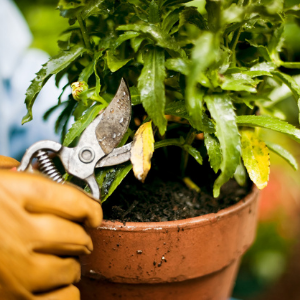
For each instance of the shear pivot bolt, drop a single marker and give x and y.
(86, 155)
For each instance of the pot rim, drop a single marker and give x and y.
(189, 223)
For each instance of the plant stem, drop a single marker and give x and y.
(84, 32)
(185, 155)
(233, 43)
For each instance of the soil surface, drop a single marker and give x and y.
(164, 197)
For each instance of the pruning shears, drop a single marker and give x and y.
(96, 147)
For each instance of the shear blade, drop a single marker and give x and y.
(115, 120)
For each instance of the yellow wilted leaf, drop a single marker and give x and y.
(142, 151)
(256, 158)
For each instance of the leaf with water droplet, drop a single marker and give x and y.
(142, 151)
(222, 111)
(81, 124)
(52, 67)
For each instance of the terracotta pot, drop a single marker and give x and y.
(196, 258)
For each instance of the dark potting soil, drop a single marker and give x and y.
(164, 197)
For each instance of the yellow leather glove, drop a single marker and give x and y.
(41, 234)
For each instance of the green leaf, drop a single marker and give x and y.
(124, 37)
(178, 64)
(240, 174)
(213, 150)
(240, 82)
(173, 2)
(192, 16)
(205, 52)
(52, 67)
(110, 178)
(135, 95)
(222, 112)
(290, 65)
(171, 19)
(81, 124)
(213, 9)
(94, 7)
(162, 39)
(193, 152)
(114, 63)
(290, 82)
(256, 158)
(152, 88)
(86, 72)
(136, 43)
(97, 56)
(153, 13)
(264, 66)
(270, 123)
(276, 43)
(262, 49)
(283, 153)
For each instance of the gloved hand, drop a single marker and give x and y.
(41, 234)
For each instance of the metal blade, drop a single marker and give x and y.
(115, 119)
(116, 157)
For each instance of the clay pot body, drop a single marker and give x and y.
(192, 259)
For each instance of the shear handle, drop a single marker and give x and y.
(41, 145)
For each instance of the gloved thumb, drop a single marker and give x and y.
(8, 162)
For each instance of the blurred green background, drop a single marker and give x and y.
(270, 269)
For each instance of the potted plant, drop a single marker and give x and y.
(200, 75)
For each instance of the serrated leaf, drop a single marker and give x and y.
(142, 150)
(161, 38)
(152, 88)
(283, 153)
(114, 63)
(256, 158)
(81, 124)
(52, 67)
(205, 52)
(222, 112)
(213, 150)
(270, 123)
